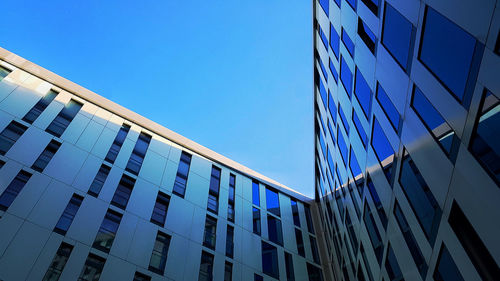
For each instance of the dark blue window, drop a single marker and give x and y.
(363, 93)
(383, 149)
(338, 2)
(209, 235)
(353, 4)
(367, 35)
(257, 277)
(372, 5)
(64, 118)
(10, 135)
(295, 212)
(321, 143)
(339, 177)
(334, 41)
(68, 215)
(343, 118)
(256, 220)
(359, 128)
(309, 221)
(348, 42)
(137, 157)
(255, 193)
(43, 160)
(274, 230)
(324, 39)
(123, 192)
(376, 201)
(160, 209)
(420, 197)
(331, 164)
(300, 242)
(346, 76)
(392, 266)
(272, 202)
(13, 189)
(450, 53)
(270, 260)
(99, 179)
(388, 107)
(334, 72)
(325, 5)
(323, 93)
(332, 108)
(213, 191)
(39, 107)
(290, 275)
(206, 267)
(314, 273)
(323, 69)
(107, 232)
(373, 233)
(117, 143)
(314, 249)
(331, 131)
(435, 123)
(398, 36)
(342, 147)
(354, 166)
(182, 175)
(446, 269)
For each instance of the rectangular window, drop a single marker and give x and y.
(123, 191)
(398, 36)
(344, 151)
(314, 249)
(420, 197)
(435, 123)
(68, 215)
(3, 72)
(446, 269)
(141, 277)
(272, 201)
(352, 234)
(117, 143)
(182, 175)
(209, 236)
(10, 193)
(367, 35)
(295, 213)
(92, 269)
(373, 233)
(365, 261)
(348, 43)
(206, 267)
(334, 41)
(322, 35)
(383, 149)
(213, 193)
(376, 201)
(359, 128)
(270, 260)
(256, 220)
(229, 241)
(363, 93)
(343, 118)
(307, 212)
(325, 5)
(58, 262)
(160, 252)
(322, 92)
(99, 179)
(300, 242)
(65, 116)
(255, 193)
(137, 157)
(107, 232)
(290, 274)
(314, 272)
(10, 135)
(39, 107)
(1, 164)
(334, 72)
(410, 240)
(332, 108)
(228, 271)
(46, 155)
(474, 247)
(275, 231)
(388, 107)
(354, 200)
(230, 205)
(322, 66)
(372, 5)
(392, 266)
(257, 277)
(346, 76)
(160, 210)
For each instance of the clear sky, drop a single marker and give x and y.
(234, 76)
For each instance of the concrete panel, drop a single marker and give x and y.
(89, 136)
(153, 167)
(58, 167)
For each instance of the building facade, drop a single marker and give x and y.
(407, 138)
(92, 191)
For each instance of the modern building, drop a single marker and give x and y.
(92, 191)
(407, 138)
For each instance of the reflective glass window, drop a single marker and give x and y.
(13, 189)
(388, 107)
(39, 107)
(334, 41)
(270, 260)
(272, 201)
(10, 135)
(398, 36)
(346, 76)
(363, 93)
(348, 43)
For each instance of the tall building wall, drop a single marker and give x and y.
(407, 131)
(85, 183)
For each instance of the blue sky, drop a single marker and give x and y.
(234, 76)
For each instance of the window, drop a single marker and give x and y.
(383, 149)
(300, 242)
(363, 93)
(483, 144)
(435, 123)
(46, 155)
(334, 41)
(58, 262)
(230, 205)
(65, 116)
(474, 247)
(92, 269)
(295, 213)
(159, 255)
(141, 277)
(182, 175)
(322, 66)
(420, 197)
(392, 266)
(39, 107)
(314, 273)
(290, 274)
(314, 249)
(274, 229)
(348, 42)
(373, 233)
(372, 5)
(160, 210)
(344, 151)
(410, 240)
(106, 234)
(359, 128)
(451, 54)
(228, 271)
(1, 164)
(352, 234)
(137, 157)
(210, 232)
(68, 215)
(213, 193)
(272, 201)
(322, 92)
(270, 260)
(325, 5)
(446, 269)
(98, 182)
(365, 261)
(332, 108)
(123, 191)
(10, 193)
(322, 35)
(307, 212)
(366, 34)
(388, 107)
(353, 4)
(229, 241)
(117, 144)
(334, 72)
(10, 135)
(3, 72)
(255, 193)
(256, 220)
(257, 277)
(206, 267)
(356, 172)
(343, 118)
(377, 202)
(398, 36)
(346, 76)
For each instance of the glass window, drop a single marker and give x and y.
(123, 192)
(160, 209)
(365, 261)
(314, 249)
(99, 179)
(376, 201)
(137, 157)
(352, 233)
(342, 147)
(334, 72)
(270, 260)
(274, 230)
(314, 272)
(353, 4)
(230, 205)
(354, 166)
(160, 252)
(141, 277)
(372, 5)
(39, 107)
(348, 43)
(272, 201)
(290, 274)
(373, 233)
(182, 175)
(485, 140)
(363, 93)
(213, 193)
(323, 93)
(359, 128)
(257, 277)
(420, 197)
(392, 266)
(323, 37)
(450, 53)
(332, 108)
(117, 143)
(255, 193)
(229, 241)
(388, 107)
(295, 213)
(107, 232)
(62, 120)
(3, 72)
(228, 271)
(346, 76)
(58, 262)
(68, 215)
(383, 149)
(256, 220)
(10, 193)
(307, 212)
(43, 160)
(323, 68)
(209, 236)
(331, 132)
(10, 135)
(325, 5)
(206, 267)
(300, 242)
(92, 269)
(446, 269)
(343, 118)
(366, 34)
(334, 41)
(398, 36)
